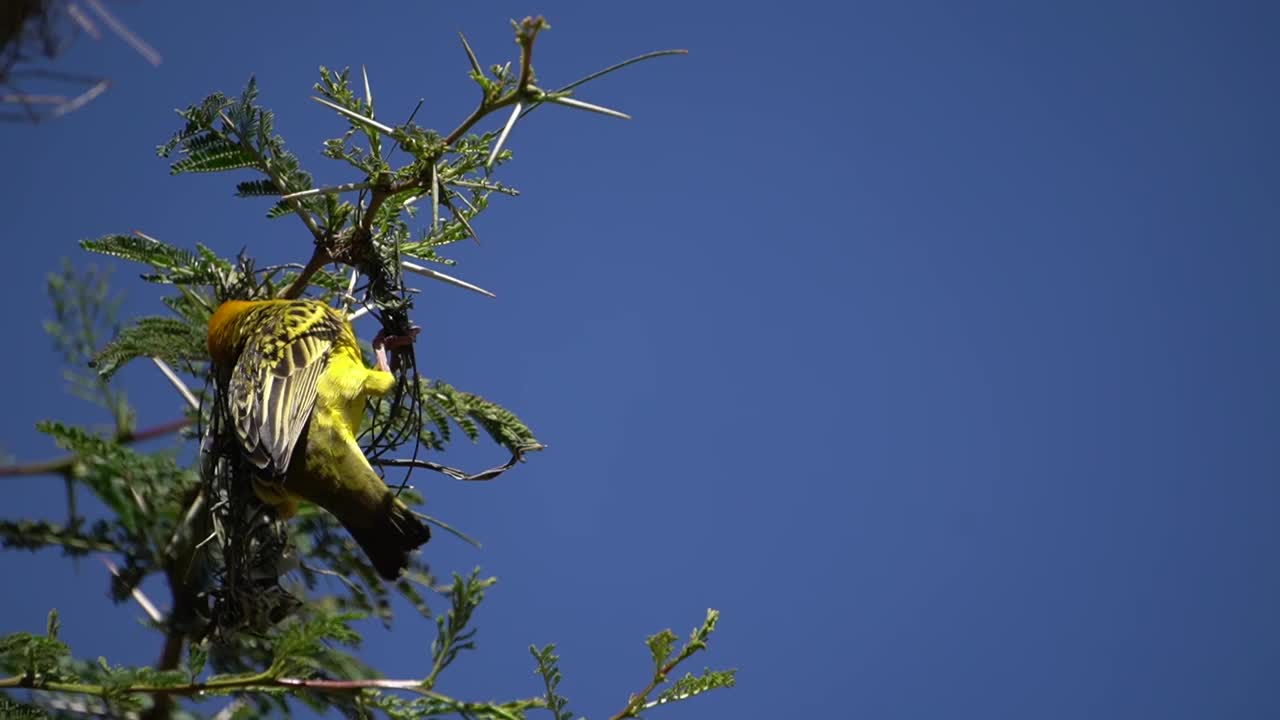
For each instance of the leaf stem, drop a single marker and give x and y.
(263, 165)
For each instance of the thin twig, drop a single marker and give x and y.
(62, 465)
(619, 66)
(636, 703)
(263, 681)
(319, 258)
(34, 99)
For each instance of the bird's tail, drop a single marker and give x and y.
(393, 533)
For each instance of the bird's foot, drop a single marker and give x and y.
(382, 341)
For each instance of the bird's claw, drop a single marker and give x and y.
(382, 341)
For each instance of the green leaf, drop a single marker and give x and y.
(144, 491)
(33, 655)
(660, 647)
(197, 655)
(297, 652)
(472, 412)
(549, 668)
(158, 255)
(218, 160)
(172, 264)
(690, 685)
(169, 339)
(698, 638)
(255, 188)
(200, 118)
(280, 209)
(37, 534)
(452, 633)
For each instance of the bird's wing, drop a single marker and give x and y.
(273, 387)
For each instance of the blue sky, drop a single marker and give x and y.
(931, 342)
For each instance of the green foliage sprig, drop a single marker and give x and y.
(666, 660)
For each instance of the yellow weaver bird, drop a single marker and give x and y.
(295, 387)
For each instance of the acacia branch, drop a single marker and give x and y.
(319, 258)
(363, 235)
(63, 465)
(696, 643)
(263, 682)
(636, 703)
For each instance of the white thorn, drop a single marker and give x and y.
(368, 94)
(571, 102)
(147, 606)
(437, 275)
(435, 200)
(506, 130)
(180, 386)
(345, 187)
(357, 117)
(351, 288)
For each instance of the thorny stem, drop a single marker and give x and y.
(62, 465)
(364, 234)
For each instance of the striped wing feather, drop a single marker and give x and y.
(273, 386)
